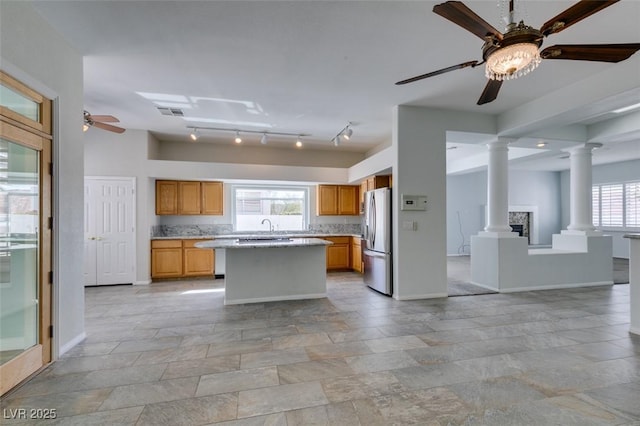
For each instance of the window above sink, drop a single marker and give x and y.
(270, 208)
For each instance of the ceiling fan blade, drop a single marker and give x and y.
(108, 127)
(490, 92)
(442, 71)
(460, 14)
(105, 118)
(575, 13)
(591, 52)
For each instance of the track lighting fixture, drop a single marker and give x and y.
(195, 132)
(345, 133)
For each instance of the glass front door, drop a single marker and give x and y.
(19, 249)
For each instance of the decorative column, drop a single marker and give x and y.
(498, 188)
(581, 218)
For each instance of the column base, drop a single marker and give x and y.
(587, 233)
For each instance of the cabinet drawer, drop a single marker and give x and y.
(338, 240)
(166, 244)
(191, 243)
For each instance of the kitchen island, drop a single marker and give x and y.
(267, 269)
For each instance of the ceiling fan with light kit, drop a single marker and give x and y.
(100, 121)
(517, 52)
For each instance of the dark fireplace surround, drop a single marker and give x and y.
(520, 223)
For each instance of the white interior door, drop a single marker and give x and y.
(110, 220)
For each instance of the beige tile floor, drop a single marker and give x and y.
(173, 354)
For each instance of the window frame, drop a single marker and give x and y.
(597, 215)
(272, 187)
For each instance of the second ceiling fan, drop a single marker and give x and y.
(516, 52)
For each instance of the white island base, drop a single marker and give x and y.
(271, 271)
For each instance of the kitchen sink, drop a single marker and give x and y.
(265, 239)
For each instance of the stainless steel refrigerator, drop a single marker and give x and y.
(376, 247)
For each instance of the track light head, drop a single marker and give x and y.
(263, 139)
(299, 142)
(194, 135)
(347, 133)
(336, 140)
(238, 139)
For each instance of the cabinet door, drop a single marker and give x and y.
(356, 255)
(166, 259)
(212, 198)
(188, 197)
(327, 200)
(166, 197)
(338, 256)
(197, 261)
(348, 200)
(363, 189)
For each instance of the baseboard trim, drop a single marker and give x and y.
(142, 282)
(71, 343)
(484, 286)
(421, 296)
(276, 298)
(218, 276)
(556, 287)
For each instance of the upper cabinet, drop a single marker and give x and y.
(212, 196)
(337, 200)
(166, 197)
(189, 195)
(189, 198)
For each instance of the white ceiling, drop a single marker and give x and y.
(313, 66)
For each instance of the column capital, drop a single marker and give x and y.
(500, 143)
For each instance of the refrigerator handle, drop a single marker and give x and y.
(373, 219)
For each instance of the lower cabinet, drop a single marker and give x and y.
(197, 261)
(338, 253)
(356, 254)
(180, 258)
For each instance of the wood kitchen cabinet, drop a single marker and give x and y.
(196, 261)
(356, 254)
(166, 197)
(338, 253)
(166, 258)
(212, 198)
(180, 258)
(337, 200)
(189, 198)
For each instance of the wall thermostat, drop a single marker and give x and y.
(413, 202)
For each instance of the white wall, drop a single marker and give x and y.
(33, 52)
(125, 155)
(245, 154)
(606, 173)
(419, 141)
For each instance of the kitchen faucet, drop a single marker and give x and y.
(270, 225)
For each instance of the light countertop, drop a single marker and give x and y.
(236, 236)
(235, 243)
